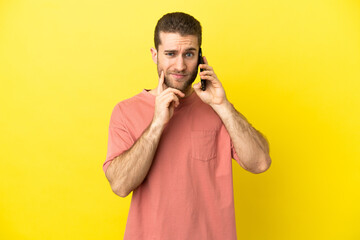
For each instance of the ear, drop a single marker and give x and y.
(154, 55)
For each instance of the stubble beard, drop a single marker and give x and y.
(186, 85)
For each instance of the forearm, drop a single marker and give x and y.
(128, 170)
(250, 145)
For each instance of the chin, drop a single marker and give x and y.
(183, 86)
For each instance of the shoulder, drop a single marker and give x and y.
(133, 110)
(126, 105)
(141, 99)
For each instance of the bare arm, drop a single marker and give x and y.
(128, 170)
(250, 145)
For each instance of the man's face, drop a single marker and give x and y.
(177, 56)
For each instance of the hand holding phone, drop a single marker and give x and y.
(201, 61)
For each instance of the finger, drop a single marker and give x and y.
(172, 105)
(175, 91)
(197, 89)
(214, 81)
(167, 96)
(171, 98)
(205, 67)
(197, 85)
(207, 72)
(160, 87)
(205, 60)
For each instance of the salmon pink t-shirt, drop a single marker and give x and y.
(188, 191)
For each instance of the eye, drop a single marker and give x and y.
(169, 54)
(189, 54)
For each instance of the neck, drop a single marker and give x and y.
(189, 91)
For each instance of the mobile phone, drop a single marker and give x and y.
(201, 61)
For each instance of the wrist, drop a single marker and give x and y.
(222, 108)
(156, 126)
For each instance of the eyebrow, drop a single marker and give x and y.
(187, 49)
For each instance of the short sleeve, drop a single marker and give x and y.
(119, 139)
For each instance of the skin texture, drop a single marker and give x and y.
(176, 59)
(127, 171)
(250, 145)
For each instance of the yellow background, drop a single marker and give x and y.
(291, 67)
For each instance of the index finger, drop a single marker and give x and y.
(205, 65)
(160, 87)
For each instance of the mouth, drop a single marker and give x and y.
(178, 76)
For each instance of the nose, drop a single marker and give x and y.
(180, 64)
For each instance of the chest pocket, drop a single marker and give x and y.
(203, 145)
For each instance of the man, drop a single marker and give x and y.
(172, 146)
